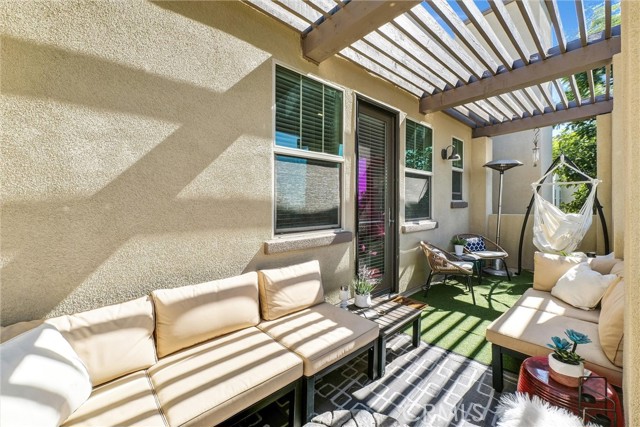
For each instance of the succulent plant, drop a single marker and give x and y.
(565, 351)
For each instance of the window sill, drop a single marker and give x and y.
(458, 204)
(299, 242)
(414, 227)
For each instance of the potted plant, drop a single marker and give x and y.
(458, 244)
(565, 365)
(363, 284)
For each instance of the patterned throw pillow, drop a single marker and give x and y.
(475, 244)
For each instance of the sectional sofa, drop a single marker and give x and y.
(194, 355)
(527, 327)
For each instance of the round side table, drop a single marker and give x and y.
(596, 400)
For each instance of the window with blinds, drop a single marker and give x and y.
(457, 170)
(418, 156)
(308, 159)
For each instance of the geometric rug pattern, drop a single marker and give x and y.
(424, 386)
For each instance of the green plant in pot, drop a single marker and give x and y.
(363, 284)
(565, 365)
(458, 244)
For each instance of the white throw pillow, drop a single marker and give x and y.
(42, 379)
(582, 287)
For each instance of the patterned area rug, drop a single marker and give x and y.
(423, 386)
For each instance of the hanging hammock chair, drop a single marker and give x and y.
(555, 231)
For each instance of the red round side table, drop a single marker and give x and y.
(595, 401)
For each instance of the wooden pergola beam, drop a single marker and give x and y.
(592, 56)
(349, 24)
(561, 116)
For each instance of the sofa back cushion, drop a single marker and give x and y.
(611, 324)
(583, 287)
(618, 268)
(603, 263)
(112, 341)
(548, 268)
(42, 379)
(289, 289)
(192, 314)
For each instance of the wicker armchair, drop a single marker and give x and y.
(485, 249)
(443, 262)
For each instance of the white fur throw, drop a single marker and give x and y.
(521, 410)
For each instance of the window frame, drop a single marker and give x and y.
(458, 169)
(304, 154)
(419, 172)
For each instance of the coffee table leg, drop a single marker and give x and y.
(382, 355)
(415, 339)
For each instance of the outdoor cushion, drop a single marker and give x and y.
(548, 268)
(603, 264)
(582, 287)
(126, 401)
(289, 289)
(527, 330)
(42, 379)
(491, 254)
(191, 314)
(8, 332)
(322, 334)
(543, 301)
(611, 326)
(208, 383)
(618, 269)
(112, 341)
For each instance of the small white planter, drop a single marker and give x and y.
(565, 373)
(363, 301)
(459, 249)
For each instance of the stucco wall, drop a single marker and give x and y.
(628, 110)
(137, 149)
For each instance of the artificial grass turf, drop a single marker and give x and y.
(452, 322)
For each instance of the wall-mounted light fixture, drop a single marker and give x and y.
(451, 157)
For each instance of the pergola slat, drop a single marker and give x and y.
(560, 116)
(390, 38)
(367, 49)
(522, 102)
(534, 31)
(354, 21)
(507, 100)
(503, 17)
(428, 24)
(477, 18)
(607, 18)
(301, 10)
(442, 62)
(592, 90)
(533, 98)
(495, 103)
(554, 14)
(317, 8)
(574, 89)
(547, 96)
(454, 22)
(575, 61)
(607, 81)
(376, 69)
(460, 117)
(560, 91)
(280, 14)
(581, 22)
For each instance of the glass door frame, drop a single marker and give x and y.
(392, 226)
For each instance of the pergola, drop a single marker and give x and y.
(484, 75)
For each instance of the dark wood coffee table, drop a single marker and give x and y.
(595, 400)
(393, 315)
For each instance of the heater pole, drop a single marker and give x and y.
(499, 208)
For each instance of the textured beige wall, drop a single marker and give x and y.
(137, 151)
(629, 110)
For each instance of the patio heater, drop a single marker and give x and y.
(501, 166)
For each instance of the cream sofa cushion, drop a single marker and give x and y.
(618, 269)
(289, 289)
(603, 264)
(548, 268)
(126, 401)
(543, 301)
(8, 332)
(321, 334)
(208, 383)
(611, 326)
(192, 314)
(112, 341)
(527, 330)
(42, 379)
(582, 287)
